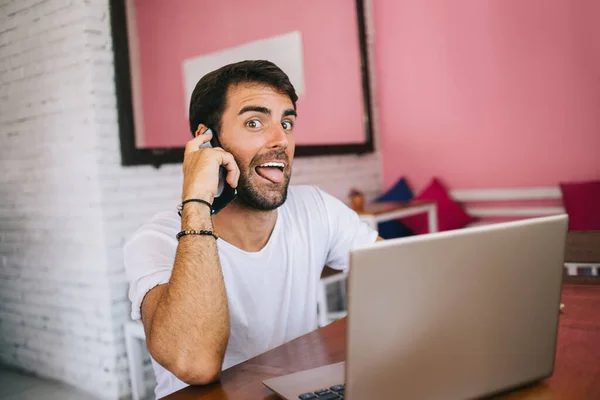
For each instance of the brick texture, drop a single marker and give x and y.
(67, 206)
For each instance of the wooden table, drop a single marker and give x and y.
(576, 374)
(375, 213)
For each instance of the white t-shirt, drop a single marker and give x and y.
(272, 293)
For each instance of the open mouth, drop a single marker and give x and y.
(272, 171)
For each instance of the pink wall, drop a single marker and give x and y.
(330, 111)
(502, 93)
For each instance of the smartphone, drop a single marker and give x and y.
(225, 193)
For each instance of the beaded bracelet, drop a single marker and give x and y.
(197, 232)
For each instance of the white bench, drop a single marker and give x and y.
(521, 195)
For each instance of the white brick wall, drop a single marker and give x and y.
(67, 206)
(57, 299)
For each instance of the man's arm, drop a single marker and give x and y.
(187, 320)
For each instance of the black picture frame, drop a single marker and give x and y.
(132, 155)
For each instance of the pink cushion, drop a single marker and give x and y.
(582, 204)
(450, 214)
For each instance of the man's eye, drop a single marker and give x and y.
(287, 125)
(253, 123)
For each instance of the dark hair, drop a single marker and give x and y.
(209, 97)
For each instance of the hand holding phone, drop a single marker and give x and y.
(225, 193)
(209, 172)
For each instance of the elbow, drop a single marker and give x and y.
(193, 369)
(197, 373)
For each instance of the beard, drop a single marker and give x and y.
(255, 193)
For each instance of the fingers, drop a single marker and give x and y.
(200, 130)
(224, 158)
(233, 172)
(195, 143)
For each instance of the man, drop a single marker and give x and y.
(206, 303)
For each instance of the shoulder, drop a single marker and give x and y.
(162, 226)
(313, 195)
(305, 197)
(304, 193)
(314, 203)
(148, 256)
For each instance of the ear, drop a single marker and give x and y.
(201, 129)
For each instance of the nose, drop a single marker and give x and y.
(278, 138)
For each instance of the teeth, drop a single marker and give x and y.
(273, 164)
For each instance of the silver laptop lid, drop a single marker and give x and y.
(455, 314)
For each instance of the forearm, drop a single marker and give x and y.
(190, 324)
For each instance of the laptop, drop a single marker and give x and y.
(450, 315)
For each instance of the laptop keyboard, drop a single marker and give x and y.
(334, 392)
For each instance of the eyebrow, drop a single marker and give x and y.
(290, 111)
(262, 110)
(265, 110)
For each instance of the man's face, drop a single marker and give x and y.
(257, 129)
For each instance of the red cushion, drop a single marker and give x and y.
(450, 214)
(582, 204)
